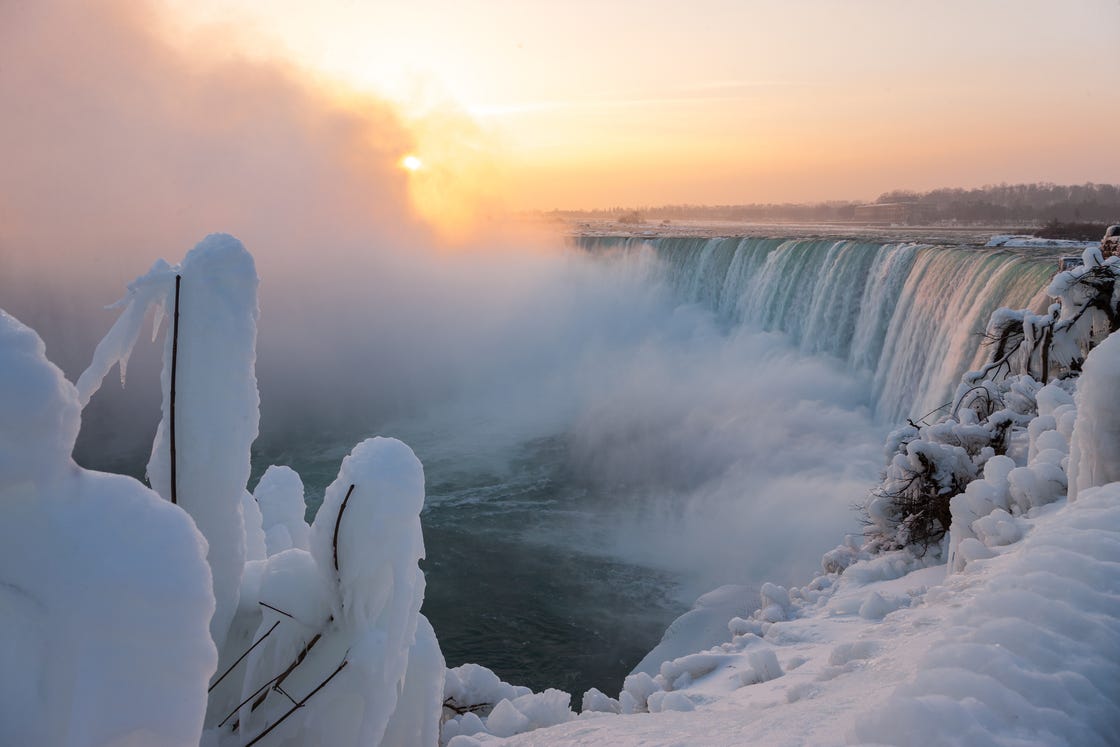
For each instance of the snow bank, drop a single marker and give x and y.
(1095, 448)
(1034, 658)
(1022, 647)
(104, 590)
(1019, 645)
(477, 703)
(1036, 242)
(703, 626)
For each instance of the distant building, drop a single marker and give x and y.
(887, 212)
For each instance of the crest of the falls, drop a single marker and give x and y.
(908, 315)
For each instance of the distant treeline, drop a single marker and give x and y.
(1003, 204)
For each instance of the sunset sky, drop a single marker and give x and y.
(583, 104)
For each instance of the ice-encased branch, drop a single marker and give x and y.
(150, 289)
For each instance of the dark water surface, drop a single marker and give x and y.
(517, 578)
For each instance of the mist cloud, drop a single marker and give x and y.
(118, 149)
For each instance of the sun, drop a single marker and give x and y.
(411, 163)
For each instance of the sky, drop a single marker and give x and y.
(574, 104)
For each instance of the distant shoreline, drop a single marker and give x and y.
(978, 235)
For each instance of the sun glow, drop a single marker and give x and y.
(411, 163)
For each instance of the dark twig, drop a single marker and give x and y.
(1047, 341)
(239, 658)
(980, 388)
(277, 609)
(299, 659)
(284, 692)
(923, 418)
(279, 679)
(450, 705)
(240, 705)
(174, 372)
(300, 704)
(338, 524)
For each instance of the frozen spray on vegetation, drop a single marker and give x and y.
(104, 591)
(326, 617)
(214, 313)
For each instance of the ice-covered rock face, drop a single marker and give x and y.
(40, 407)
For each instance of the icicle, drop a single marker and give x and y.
(116, 347)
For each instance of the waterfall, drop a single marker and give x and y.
(908, 315)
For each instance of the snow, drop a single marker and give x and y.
(255, 547)
(1008, 241)
(595, 700)
(279, 494)
(217, 400)
(1021, 648)
(343, 618)
(216, 409)
(1095, 448)
(416, 719)
(105, 595)
(1035, 656)
(702, 627)
(147, 291)
(1015, 641)
(479, 703)
(326, 616)
(1004, 632)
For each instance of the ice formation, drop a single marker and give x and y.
(319, 636)
(318, 629)
(1021, 647)
(1094, 457)
(279, 494)
(478, 703)
(211, 303)
(217, 407)
(105, 596)
(340, 631)
(1015, 641)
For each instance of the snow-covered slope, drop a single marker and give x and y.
(1014, 641)
(1022, 648)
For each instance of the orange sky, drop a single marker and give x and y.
(589, 104)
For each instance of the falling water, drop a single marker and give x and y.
(908, 314)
